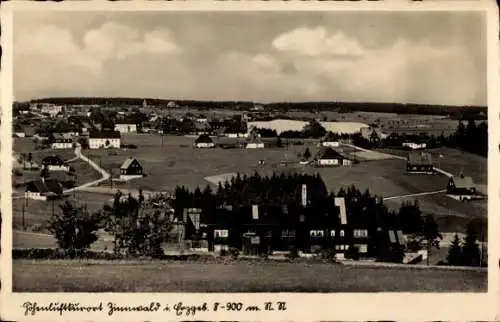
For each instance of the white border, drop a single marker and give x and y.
(304, 307)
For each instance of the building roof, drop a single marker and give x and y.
(62, 140)
(104, 135)
(45, 186)
(125, 122)
(126, 164)
(204, 138)
(421, 158)
(329, 154)
(463, 182)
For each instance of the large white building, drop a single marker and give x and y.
(126, 127)
(105, 140)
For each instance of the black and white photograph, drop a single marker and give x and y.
(260, 151)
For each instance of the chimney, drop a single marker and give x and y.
(340, 202)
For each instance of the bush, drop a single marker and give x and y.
(329, 254)
(293, 252)
(58, 253)
(234, 252)
(352, 253)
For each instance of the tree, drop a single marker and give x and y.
(470, 250)
(139, 228)
(279, 144)
(307, 153)
(74, 227)
(30, 158)
(455, 252)
(44, 173)
(431, 234)
(314, 130)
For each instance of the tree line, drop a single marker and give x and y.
(456, 112)
(469, 136)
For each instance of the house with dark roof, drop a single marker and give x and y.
(61, 143)
(204, 141)
(419, 162)
(104, 139)
(461, 186)
(131, 169)
(55, 163)
(328, 157)
(44, 189)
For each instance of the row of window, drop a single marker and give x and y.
(357, 233)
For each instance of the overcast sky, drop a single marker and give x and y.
(435, 58)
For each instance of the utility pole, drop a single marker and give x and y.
(23, 218)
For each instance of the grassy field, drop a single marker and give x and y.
(102, 276)
(36, 212)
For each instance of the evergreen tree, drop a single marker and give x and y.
(454, 257)
(470, 250)
(279, 144)
(314, 130)
(307, 154)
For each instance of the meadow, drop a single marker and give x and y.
(238, 276)
(172, 161)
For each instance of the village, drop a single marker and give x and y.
(101, 155)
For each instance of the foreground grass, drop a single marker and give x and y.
(156, 276)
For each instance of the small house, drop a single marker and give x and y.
(61, 143)
(254, 141)
(419, 163)
(55, 163)
(131, 169)
(414, 145)
(44, 189)
(104, 139)
(329, 157)
(204, 141)
(461, 186)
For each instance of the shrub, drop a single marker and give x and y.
(293, 252)
(329, 254)
(352, 253)
(74, 228)
(234, 252)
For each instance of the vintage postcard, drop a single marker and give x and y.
(250, 161)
